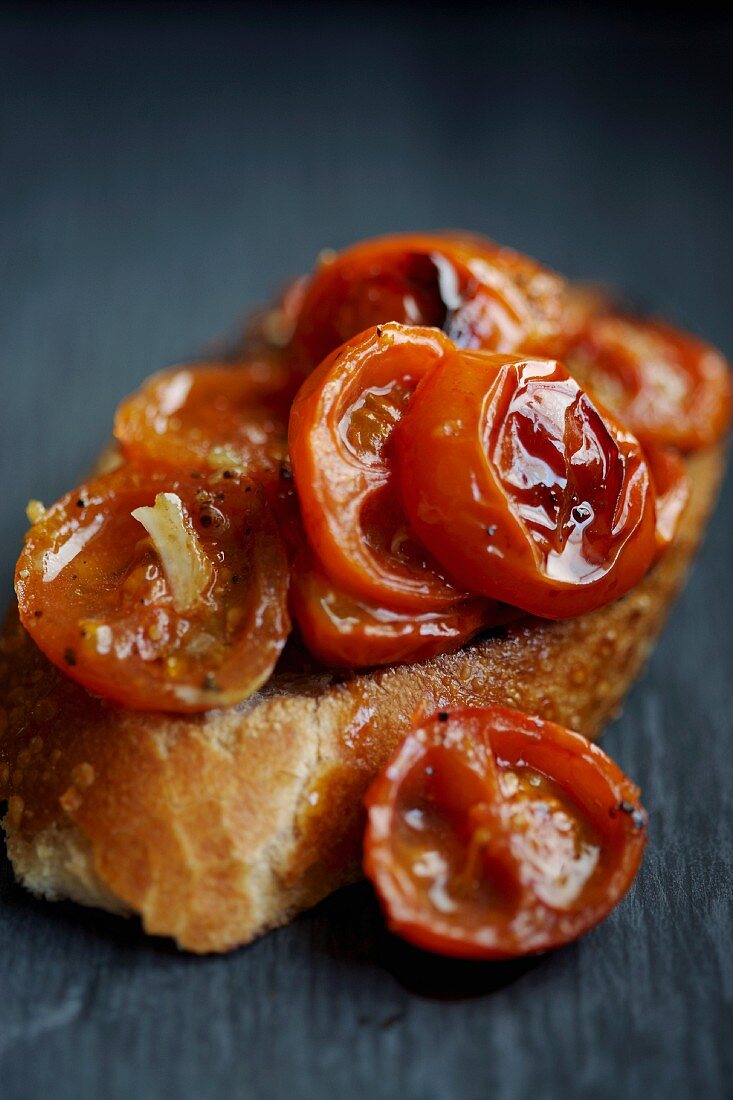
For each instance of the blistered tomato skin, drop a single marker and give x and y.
(344, 632)
(480, 294)
(668, 387)
(521, 488)
(210, 417)
(492, 835)
(181, 606)
(341, 435)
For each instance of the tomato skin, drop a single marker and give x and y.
(671, 490)
(668, 387)
(209, 416)
(95, 597)
(282, 500)
(344, 632)
(480, 294)
(447, 788)
(272, 328)
(521, 488)
(340, 435)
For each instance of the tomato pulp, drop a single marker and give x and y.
(480, 294)
(522, 488)
(341, 435)
(492, 834)
(157, 590)
(209, 417)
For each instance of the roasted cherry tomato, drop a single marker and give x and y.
(283, 501)
(522, 489)
(492, 835)
(209, 416)
(583, 303)
(344, 632)
(666, 386)
(272, 328)
(340, 434)
(161, 592)
(480, 294)
(671, 491)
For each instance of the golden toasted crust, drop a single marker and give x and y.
(216, 827)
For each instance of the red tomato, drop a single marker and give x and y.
(341, 427)
(491, 835)
(283, 501)
(480, 294)
(583, 303)
(344, 632)
(666, 386)
(521, 488)
(671, 490)
(209, 416)
(273, 328)
(179, 607)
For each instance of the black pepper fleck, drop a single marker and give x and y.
(442, 715)
(637, 815)
(70, 657)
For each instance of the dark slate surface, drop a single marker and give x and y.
(164, 169)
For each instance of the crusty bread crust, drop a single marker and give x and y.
(216, 827)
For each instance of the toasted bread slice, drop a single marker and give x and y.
(216, 827)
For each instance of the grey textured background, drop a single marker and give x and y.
(161, 171)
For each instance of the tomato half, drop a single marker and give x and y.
(478, 293)
(667, 387)
(344, 632)
(521, 488)
(209, 416)
(180, 606)
(492, 834)
(341, 428)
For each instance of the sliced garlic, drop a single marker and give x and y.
(186, 566)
